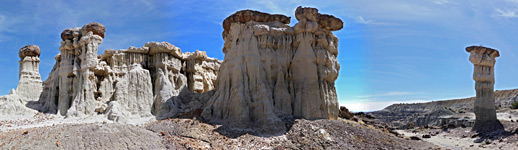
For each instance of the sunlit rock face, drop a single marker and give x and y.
(29, 85)
(483, 59)
(272, 70)
(133, 82)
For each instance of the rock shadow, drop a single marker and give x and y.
(233, 132)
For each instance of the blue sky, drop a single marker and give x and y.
(389, 51)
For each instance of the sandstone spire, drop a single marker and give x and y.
(483, 59)
(272, 70)
(29, 85)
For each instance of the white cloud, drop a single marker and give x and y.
(440, 2)
(363, 21)
(358, 106)
(507, 14)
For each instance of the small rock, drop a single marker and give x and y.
(25, 132)
(57, 144)
(451, 125)
(427, 136)
(487, 141)
(415, 138)
(162, 133)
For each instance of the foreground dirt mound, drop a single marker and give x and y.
(303, 134)
(193, 134)
(81, 136)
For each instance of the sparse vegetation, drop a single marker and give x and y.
(514, 105)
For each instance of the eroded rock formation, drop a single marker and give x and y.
(138, 81)
(483, 59)
(29, 85)
(272, 70)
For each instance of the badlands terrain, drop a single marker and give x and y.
(275, 89)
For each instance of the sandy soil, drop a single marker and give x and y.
(464, 138)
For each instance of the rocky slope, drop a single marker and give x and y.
(193, 134)
(440, 113)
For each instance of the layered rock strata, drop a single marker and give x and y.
(272, 70)
(138, 81)
(29, 85)
(483, 59)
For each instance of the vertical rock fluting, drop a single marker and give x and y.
(29, 85)
(138, 81)
(272, 70)
(484, 75)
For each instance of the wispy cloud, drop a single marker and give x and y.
(363, 21)
(507, 13)
(440, 2)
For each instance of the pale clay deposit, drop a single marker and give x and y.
(270, 71)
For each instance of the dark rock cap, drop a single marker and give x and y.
(486, 50)
(68, 34)
(326, 21)
(96, 28)
(29, 50)
(244, 16)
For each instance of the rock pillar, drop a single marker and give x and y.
(484, 75)
(30, 85)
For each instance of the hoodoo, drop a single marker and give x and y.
(272, 70)
(29, 85)
(483, 59)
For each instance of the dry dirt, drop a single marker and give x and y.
(193, 134)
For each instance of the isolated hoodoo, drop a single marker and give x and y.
(483, 59)
(29, 85)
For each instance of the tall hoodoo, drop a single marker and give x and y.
(29, 85)
(272, 70)
(483, 59)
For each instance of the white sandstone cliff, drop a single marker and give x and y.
(138, 81)
(272, 70)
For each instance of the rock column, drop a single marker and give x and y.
(484, 61)
(30, 85)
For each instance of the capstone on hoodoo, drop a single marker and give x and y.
(138, 81)
(272, 70)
